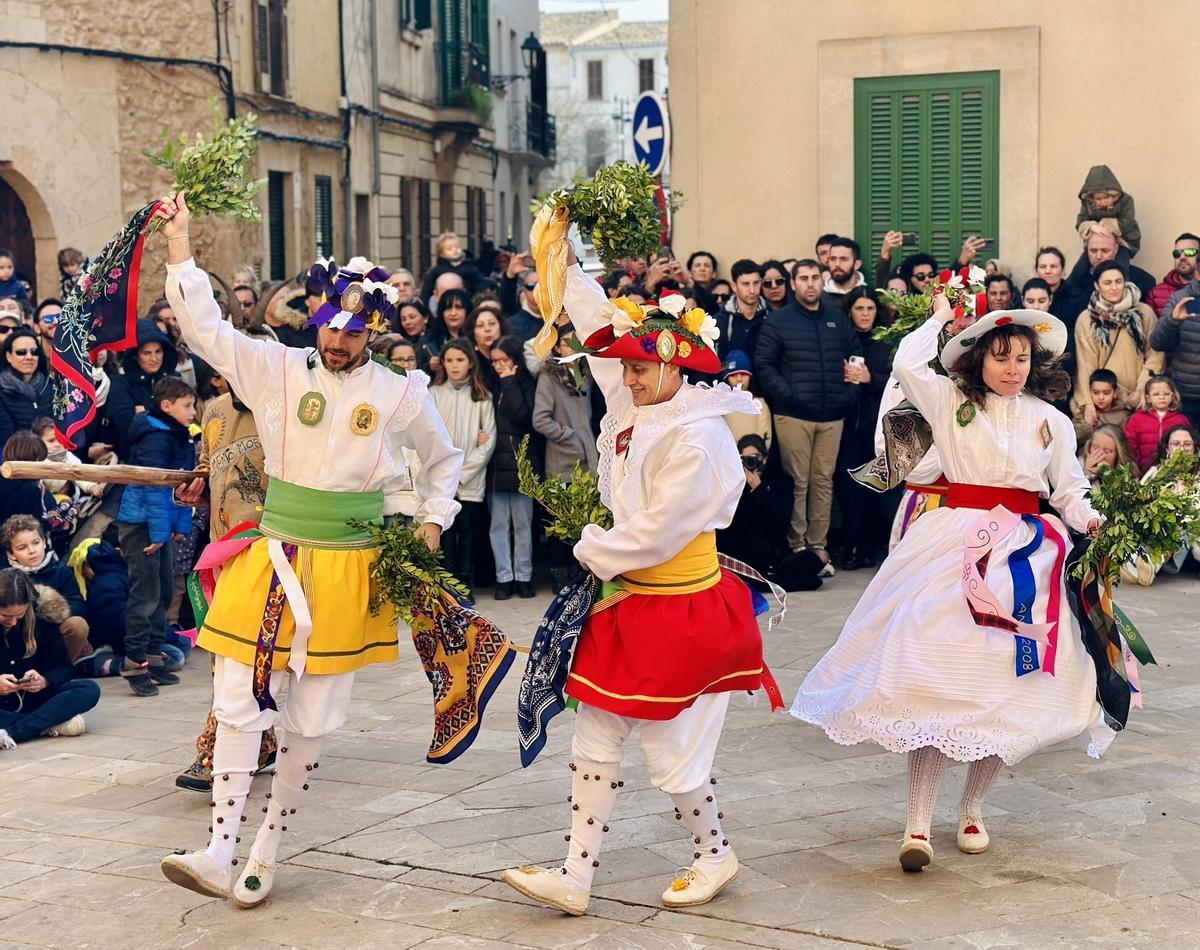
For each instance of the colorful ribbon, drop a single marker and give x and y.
(985, 607)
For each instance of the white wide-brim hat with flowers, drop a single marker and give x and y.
(1052, 332)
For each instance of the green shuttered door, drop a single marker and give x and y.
(926, 159)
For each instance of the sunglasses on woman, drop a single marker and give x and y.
(1184, 252)
(777, 282)
(23, 352)
(722, 298)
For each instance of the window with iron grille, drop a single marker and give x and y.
(271, 46)
(446, 205)
(927, 159)
(408, 257)
(277, 223)
(595, 68)
(476, 219)
(425, 225)
(645, 75)
(323, 214)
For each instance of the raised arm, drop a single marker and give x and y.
(934, 395)
(584, 301)
(251, 366)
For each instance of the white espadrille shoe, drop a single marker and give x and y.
(695, 885)
(549, 886)
(972, 835)
(198, 872)
(254, 886)
(916, 853)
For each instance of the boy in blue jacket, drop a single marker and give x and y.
(147, 521)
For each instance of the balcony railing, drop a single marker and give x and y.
(541, 135)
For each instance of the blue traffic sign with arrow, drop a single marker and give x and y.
(651, 132)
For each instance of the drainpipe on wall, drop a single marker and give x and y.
(344, 106)
(377, 174)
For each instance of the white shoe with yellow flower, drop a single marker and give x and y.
(698, 885)
(549, 886)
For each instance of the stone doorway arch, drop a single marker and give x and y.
(27, 230)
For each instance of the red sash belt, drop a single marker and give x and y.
(986, 497)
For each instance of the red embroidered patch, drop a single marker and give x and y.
(1045, 434)
(623, 439)
(920, 837)
(1003, 321)
(971, 830)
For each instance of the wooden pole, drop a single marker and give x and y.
(119, 474)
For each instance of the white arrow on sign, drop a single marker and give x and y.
(646, 134)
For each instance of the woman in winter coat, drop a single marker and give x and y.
(465, 404)
(512, 512)
(37, 695)
(562, 413)
(25, 389)
(1114, 333)
(154, 358)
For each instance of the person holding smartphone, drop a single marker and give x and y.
(37, 695)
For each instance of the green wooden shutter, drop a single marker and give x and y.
(452, 37)
(927, 157)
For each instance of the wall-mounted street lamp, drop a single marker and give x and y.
(531, 51)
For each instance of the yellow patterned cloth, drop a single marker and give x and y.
(548, 244)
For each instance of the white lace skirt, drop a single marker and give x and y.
(912, 669)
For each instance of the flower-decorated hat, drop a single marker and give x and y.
(661, 331)
(354, 297)
(1052, 332)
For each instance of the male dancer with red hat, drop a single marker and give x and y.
(664, 651)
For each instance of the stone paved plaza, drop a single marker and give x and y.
(392, 852)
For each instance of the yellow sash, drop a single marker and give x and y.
(693, 569)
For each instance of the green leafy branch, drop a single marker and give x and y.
(911, 311)
(617, 207)
(572, 504)
(1148, 519)
(214, 172)
(406, 572)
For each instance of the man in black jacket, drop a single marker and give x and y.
(800, 363)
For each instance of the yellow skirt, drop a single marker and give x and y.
(345, 637)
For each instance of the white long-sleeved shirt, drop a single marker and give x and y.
(273, 379)
(465, 419)
(1012, 442)
(681, 474)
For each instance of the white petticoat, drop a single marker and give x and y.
(912, 669)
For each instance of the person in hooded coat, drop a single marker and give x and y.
(154, 358)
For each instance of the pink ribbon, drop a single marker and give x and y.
(985, 606)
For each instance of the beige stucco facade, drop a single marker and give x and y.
(75, 158)
(763, 114)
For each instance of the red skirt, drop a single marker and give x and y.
(650, 656)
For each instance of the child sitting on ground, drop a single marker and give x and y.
(84, 495)
(103, 579)
(28, 551)
(1108, 399)
(1160, 413)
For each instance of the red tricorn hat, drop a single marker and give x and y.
(659, 332)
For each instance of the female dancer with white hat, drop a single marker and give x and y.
(963, 645)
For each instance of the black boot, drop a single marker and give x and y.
(504, 590)
(525, 589)
(853, 559)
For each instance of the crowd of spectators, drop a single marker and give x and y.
(796, 331)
